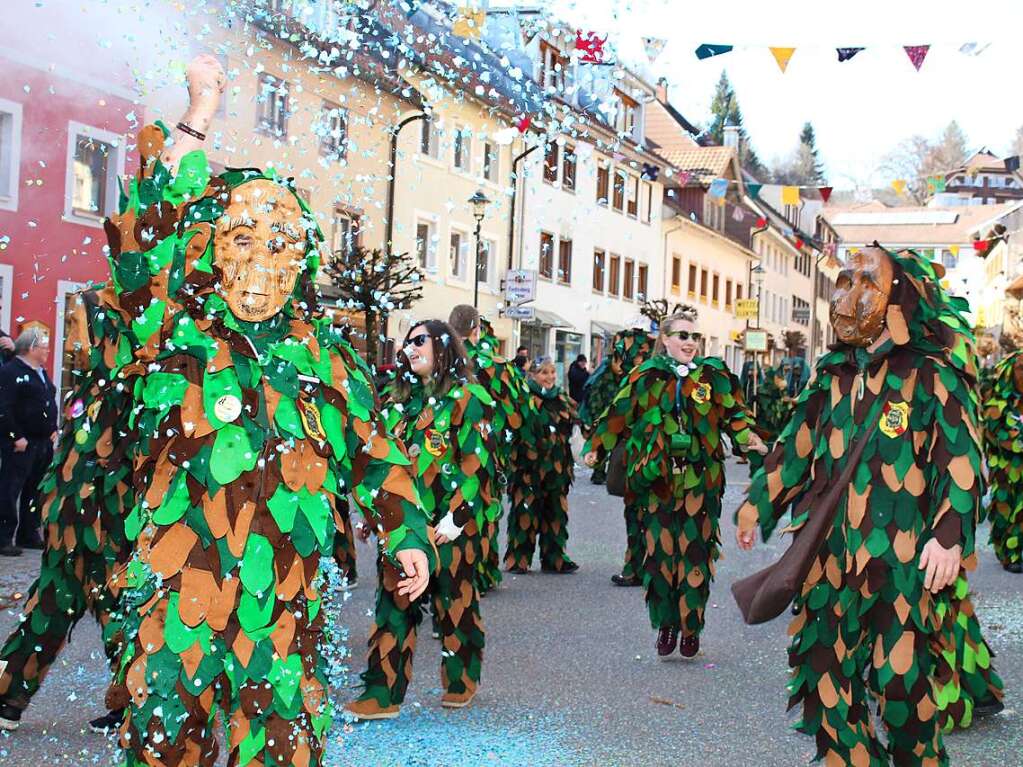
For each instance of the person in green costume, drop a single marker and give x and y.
(513, 406)
(1003, 435)
(772, 412)
(673, 413)
(543, 475)
(629, 348)
(444, 416)
(247, 410)
(869, 614)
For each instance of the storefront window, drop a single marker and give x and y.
(567, 346)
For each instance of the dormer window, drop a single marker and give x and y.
(553, 67)
(626, 115)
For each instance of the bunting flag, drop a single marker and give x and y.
(935, 184)
(790, 195)
(708, 50)
(524, 123)
(683, 177)
(844, 54)
(592, 47)
(738, 214)
(653, 47)
(899, 185)
(754, 189)
(782, 56)
(825, 192)
(980, 245)
(649, 172)
(917, 54)
(718, 188)
(974, 49)
(799, 243)
(1012, 163)
(761, 223)
(954, 250)
(469, 23)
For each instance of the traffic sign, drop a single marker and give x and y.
(756, 340)
(746, 308)
(519, 286)
(520, 312)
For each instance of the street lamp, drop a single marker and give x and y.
(758, 273)
(479, 203)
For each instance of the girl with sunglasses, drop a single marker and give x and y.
(541, 478)
(672, 412)
(443, 416)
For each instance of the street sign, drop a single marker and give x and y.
(519, 286)
(746, 308)
(520, 312)
(756, 340)
(801, 314)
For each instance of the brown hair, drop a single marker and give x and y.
(464, 319)
(450, 364)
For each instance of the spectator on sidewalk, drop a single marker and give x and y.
(578, 374)
(6, 348)
(28, 428)
(521, 357)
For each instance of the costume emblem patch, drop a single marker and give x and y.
(895, 419)
(311, 420)
(436, 444)
(701, 394)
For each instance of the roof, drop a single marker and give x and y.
(708, 162)
(981, 162)
(911, 225)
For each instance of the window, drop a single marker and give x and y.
(603, 182)
(463, 149)
(491, 161)
(546, 255)
(692, 280)
(633, 196)
(627, 275)
(728, 294)
(95, 160)
(713, 213)
(63, 363)
(429, 141)
(614, 268)
(714, 291)
(10, 155)
(565, 262)
(949, 259)
(648, 202)
(488, 254)
(346, 233)
(619, 190)
(598, 270)
(553, 67)
(676, 274)
(550, 163)
(641, 279)
(626, 114)
(459, 254)
(426, 244)
(272, 106)
(333, 131)
(568, 168)
(738, 291)
(703, 285)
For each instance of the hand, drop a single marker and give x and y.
(206, 81)
(6, 344)
(756, 444)
(746, 526)
(20, 445)
(942, 565)
(590, 459)
(446, 530)
(53, 439)
(416, 568)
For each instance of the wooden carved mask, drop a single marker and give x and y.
(860, 300)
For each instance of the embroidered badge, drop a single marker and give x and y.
(895, 419)
(436, 444)
(311, 419)
(701, 394)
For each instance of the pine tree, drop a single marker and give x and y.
(810, 163)
(725, 111)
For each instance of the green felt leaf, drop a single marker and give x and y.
(252, 745)
(288, 419)
(257, 571)
(254, 615)
(175, 503)
(149, 322)
(217, 385)
(285, 676)
(232, 454)
(283, 506)
(316, 509)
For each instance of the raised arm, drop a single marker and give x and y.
(206, 82)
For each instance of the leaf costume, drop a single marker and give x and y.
(629, 348)
(864, 620)
(86, 493)
(773, 412)
(673, 419)
(544, 469)
(507, 387)
(1003, 414)
(450, 439)
(240, 431)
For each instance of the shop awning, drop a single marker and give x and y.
(604, 328)
(549, 319)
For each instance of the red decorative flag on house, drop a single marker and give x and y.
(592, 47)
(825, 192)
(980, 245)
(917, 54)
(761, 223)
(523, 124)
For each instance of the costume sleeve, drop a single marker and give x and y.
(617, 421)
(471, 480)
(737, 421)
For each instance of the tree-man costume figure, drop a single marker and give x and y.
(1003, 434)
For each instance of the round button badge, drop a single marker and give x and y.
(227, 408)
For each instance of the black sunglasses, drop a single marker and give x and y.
(419, 341)
(685, 335)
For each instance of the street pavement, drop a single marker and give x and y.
(570, 676)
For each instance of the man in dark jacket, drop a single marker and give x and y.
(28, 426)
(578, 374)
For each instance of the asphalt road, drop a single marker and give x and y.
(570, 676)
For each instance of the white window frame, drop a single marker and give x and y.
(331, 113)
(11, 165)
(64, 289)
(354, 219)
(6, 296)
(433, 139)
(465, 244)
(115, 169)
(491, 239)
(264, 103)
(433, 220)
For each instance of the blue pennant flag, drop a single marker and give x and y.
(707, 50)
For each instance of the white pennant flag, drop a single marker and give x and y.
(974, 49)
(653, 47)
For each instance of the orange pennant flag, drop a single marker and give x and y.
(782, 56)
(899, 185)
(790, 195)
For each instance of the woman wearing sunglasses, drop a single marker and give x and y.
(443, 416)
(541, 478)
(672, 413)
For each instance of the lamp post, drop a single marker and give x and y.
(479, 203)
(758, 273)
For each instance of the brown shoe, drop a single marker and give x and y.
(666, 639)
(457, 699)
(688, 646)
(369, 709)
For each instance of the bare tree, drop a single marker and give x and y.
(917, 158)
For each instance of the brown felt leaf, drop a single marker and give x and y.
(836, 443)
(191, 658)
(962, 472)
(902, 656)
(150, 143)
(904, 546)
(171, 550)
(214, 510)
(283, 633)
(151, 631)
(242, 648)
(827, 691)
(193, 414)
(896, 322)
(135, 680)
(197, 590)
(238, 533)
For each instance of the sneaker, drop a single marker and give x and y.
(689, 646)
(10, 717)
(666, 640)
(108, 723)
(352, 584)
(10, 550)
(1010, 567)
(369, 710)
(457, 699)
(626, 581)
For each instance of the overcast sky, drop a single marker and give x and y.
(861, 108)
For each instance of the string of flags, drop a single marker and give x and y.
(782, 56)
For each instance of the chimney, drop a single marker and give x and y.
(661, 91)
(731, 137)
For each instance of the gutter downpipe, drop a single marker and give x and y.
(516, 334)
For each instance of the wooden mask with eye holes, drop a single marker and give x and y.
(860, 300)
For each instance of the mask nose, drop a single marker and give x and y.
(844, 303)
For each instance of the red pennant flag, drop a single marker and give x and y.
(761, 222)
(591, 46)
(799, 243)
(917, 54)
(825, 192)
(980, 245)
(524, 123)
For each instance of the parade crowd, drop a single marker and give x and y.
(223, 439)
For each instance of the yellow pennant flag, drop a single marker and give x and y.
(782, 56)
(790, 195)
(953, 249)
(469, 23)
(899, 185)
